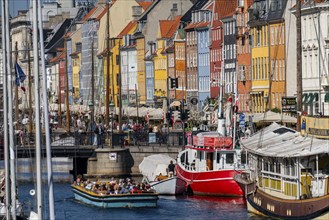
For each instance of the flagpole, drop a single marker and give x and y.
(16, 87)
(5, 113)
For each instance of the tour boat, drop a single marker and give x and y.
(288, 173)
(129, 200)
(209, 164)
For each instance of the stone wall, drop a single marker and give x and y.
(124, 161)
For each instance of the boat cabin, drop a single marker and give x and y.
(210, 152)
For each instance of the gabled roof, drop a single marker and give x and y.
(56, 39)
(105, 10)
(225, 8)
(128, 28)
(187, 17)
(169, 27)
(148, 10)
(95, 12)
(58, 58)
(145, 5)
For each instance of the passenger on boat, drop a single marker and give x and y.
(171, 169)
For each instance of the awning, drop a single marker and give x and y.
(175, 104)
(270, 116)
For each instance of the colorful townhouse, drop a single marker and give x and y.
(203, 18)
(167, 30)
(276, 53)
(243, 55)
(180, 65)
(229, 78)
(192, 63)
(260, 84)
(146, 36)
(171, 72)
(128, 56)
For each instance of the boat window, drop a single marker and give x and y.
(277, 167)
(265, 166)
(293, 168)
(230, 158)
(283, 131)
(182, 158)
(243, 157)
(218, 158)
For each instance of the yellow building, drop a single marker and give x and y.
(76, 62)
(277, 60)
(260, 84)
(141, 77)
(160, 70)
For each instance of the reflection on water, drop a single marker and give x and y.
(169, 207)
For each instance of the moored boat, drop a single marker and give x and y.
(154, 170)
(209, 165)
(128, 200)
(288, 176)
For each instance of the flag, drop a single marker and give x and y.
(20, 75)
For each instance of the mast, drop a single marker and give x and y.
(67, 88)
(59, 101)
(46, 117)
(120, 92)
(37, 109)
(92, 84)
(5, 109)
(299, 62)
(107, 97)
(30, 88)
(16, 87)
(10, 114)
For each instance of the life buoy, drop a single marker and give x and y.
(32, 192)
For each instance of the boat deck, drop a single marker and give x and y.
(278, 194)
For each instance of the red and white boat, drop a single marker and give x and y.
(209, 165)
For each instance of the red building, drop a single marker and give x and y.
(243, 55)
(222, 9)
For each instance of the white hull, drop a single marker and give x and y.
(170, 186)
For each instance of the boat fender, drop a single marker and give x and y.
(32, 192)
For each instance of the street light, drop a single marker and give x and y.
(111, 109)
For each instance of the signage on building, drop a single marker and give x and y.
(289, 104)
(113, 156)
(194, 101)
(229, 65)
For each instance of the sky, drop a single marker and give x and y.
(15, 5)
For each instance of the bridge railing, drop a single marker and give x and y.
(131, 138)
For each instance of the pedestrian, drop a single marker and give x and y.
(171, 169)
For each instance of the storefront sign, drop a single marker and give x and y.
(289, 104)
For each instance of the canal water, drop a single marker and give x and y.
(169, 207)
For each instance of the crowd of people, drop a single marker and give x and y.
(113, 186)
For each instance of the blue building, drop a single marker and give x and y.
(149, 69)
(203, 37)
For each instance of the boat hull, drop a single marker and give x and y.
(170, 186)
(115, 201)
(262, 203)
(211, 183)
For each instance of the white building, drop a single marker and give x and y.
(315, 57)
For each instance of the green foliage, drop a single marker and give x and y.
(276, 110)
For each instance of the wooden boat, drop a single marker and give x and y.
(154, 169)
(169, 186)
(134, 200)
(288, 176)
(209, 165)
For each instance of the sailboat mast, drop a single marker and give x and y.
(107, 97)
(67, 87)
(5, 110)
(30, 86)
(92, 84)
(46, 117)
(37, 108)
(10, 114)
(299, 61)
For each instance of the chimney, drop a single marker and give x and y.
(137, 11)
(174, 11)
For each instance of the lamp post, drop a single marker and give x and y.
(111, 109)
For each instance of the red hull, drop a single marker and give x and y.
(212, 183)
